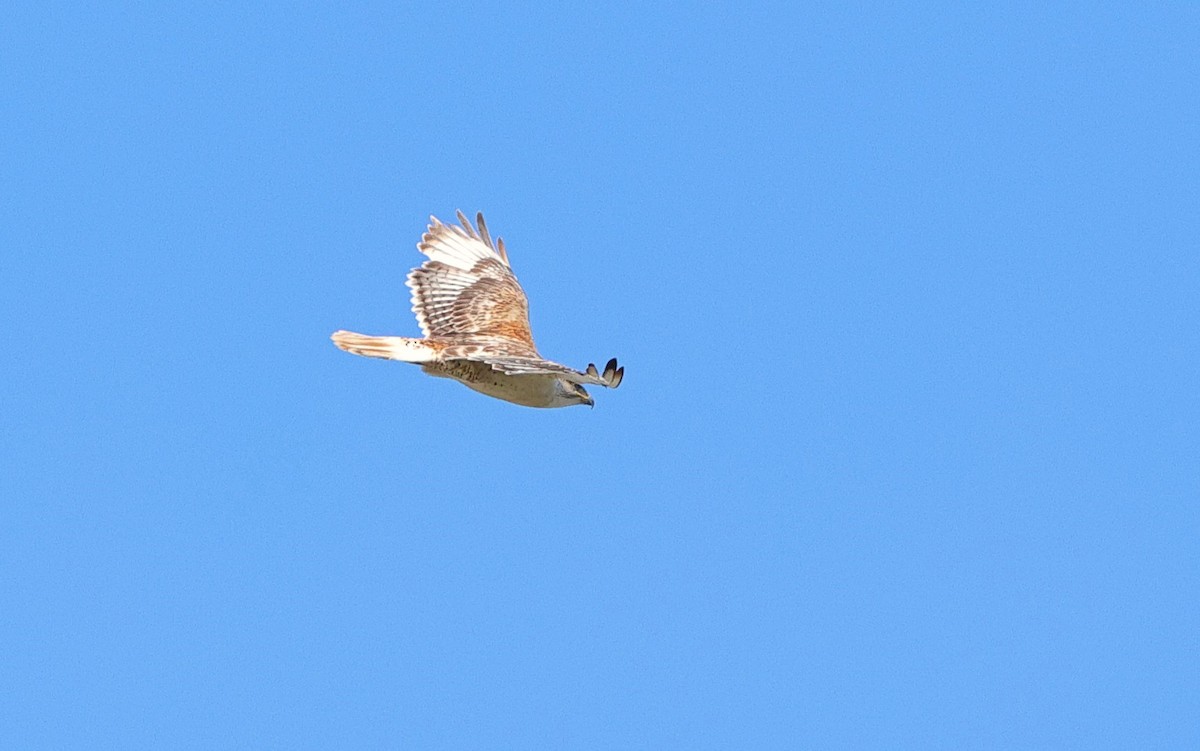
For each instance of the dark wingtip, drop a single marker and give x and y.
(466, 223)
(612, 374)
(483, 230)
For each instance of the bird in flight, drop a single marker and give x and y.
(475, 318)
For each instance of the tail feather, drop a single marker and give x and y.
(398, 348)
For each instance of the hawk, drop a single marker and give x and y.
(475, 318)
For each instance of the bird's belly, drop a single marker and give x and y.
(526, 390)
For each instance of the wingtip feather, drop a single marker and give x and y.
(483, 230)
(466, 223)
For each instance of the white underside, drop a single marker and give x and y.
(526, 390)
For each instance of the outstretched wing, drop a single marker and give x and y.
(500, 358)
(467, 296)
(467, 289)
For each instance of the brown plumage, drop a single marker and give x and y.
(475, 318)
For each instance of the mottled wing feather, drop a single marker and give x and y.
(467, 299)
(466, 289)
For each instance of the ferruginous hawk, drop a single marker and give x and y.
(476, 322)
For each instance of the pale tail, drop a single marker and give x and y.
(387, 347)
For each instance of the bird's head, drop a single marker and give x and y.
(569, 394)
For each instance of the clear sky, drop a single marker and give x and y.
(906, 455)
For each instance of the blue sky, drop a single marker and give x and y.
(906, 452)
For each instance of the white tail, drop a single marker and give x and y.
(386, 347)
